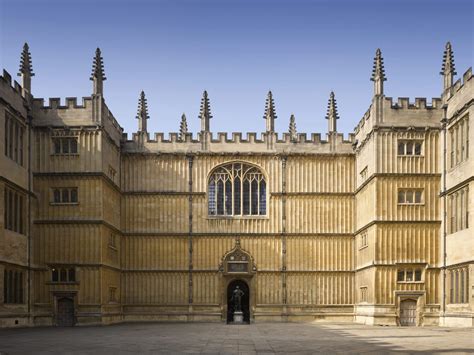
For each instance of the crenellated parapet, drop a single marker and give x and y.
(72, 112)
(420, 103)
(334, 143)
(11, 92)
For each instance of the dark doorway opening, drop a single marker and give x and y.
(245, 300)
(65, 315)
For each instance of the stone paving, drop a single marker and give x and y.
(215, 338)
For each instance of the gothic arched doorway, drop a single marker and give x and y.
(245, 300)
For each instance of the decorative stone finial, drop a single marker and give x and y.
(98, 75)
(205, 112)
(26, 68)
(332, 114)
(378, 73)
(448, 70)
(183, 128)
(142, 113)
(270, 114)
(292, 128)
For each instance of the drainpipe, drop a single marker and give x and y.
(444, 122)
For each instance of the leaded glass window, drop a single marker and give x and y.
(237, 189)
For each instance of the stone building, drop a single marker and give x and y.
(97, 227)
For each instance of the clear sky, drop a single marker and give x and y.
(237, 50)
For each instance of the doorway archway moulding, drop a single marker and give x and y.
(238, 262)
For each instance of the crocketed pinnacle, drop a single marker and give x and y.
(205, 112)
(98, 66)
(292, 127)
(448, 61)
(270, 107)
(26, 67)
(183, 127)
(142, 112)
(332, 108)
(378, 72)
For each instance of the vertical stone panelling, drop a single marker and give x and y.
(386, 285)
(408, 243)
(320, 288)
(110, 204)
(365, 201)
(90, 288)
(320, 214)
(265, 250)
(67, 243)
(209, 250)
(387, 203)
(159, 288)
(155, 213)
(206, 288)
(154, 253)
(269, 290)
(155, 173)
(390, 162)
(320, 174)
(319, 253)
(89, 204)
(88, 159)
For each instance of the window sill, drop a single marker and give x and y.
(410, 282)
(363, 247)
(62, 283)
(12, 231)
(64, 154)
(410, 156)
(411, 204)
(64, 203)
(238, 217)
(112, 247)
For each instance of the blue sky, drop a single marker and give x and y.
(237, 50)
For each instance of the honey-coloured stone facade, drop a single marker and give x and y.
(118, 228)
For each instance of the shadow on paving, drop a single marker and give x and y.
(208, 338)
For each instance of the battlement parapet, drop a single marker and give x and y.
(420, 103)
(335, 143)
(459, 84)
(238, 137)
(54, 103)
(12, 84)
(362, 121)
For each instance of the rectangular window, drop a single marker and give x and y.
(65, 195)
(13, 286)
(410, 196)
(363, 240)
(14, 131)
(14, 210)
(112, 294)
(458, 281)
(458, 209)
(364, 174)
(409, 275)
(409, 147)
(363, 294)
(63, 274)
(65, 145)
(459, 141)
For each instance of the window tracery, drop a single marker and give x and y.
(237, 189)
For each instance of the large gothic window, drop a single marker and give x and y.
(237, 189)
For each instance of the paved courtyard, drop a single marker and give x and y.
(213, 338)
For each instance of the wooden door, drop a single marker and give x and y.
(408, 313)
(65, 315)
